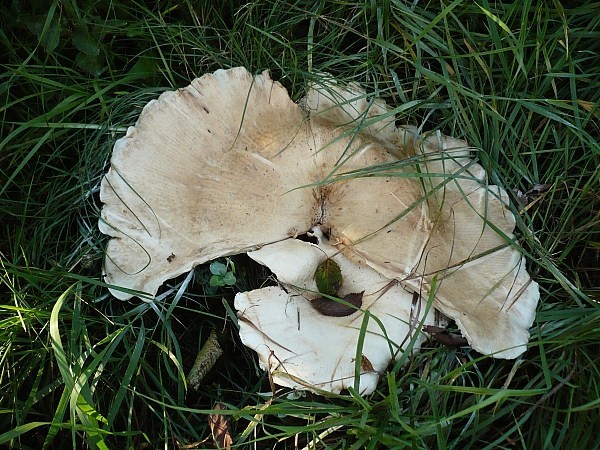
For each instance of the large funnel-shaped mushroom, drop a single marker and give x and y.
(230, 164)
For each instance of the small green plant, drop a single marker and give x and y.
(221, 274)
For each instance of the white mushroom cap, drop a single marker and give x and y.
(307, 350)
(230, 164)
(201, 176)
(462, 235)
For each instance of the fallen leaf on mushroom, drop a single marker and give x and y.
(230, 164)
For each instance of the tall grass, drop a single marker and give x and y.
(519, 81)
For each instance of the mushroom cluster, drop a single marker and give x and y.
(230, 164)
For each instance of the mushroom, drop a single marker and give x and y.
(290, 334)
(230, 165)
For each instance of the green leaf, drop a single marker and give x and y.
(46, 27)
(85, 42)
(495, 18)
(50, 34)
(19, 430)
(328, 277)
(143, 68)
(34, 23)
(91, 64)
(229, 279)
(217, 268)
(216, 280)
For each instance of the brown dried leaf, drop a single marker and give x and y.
(531, 194)
(220, 426)
(444, 336)
(588, 106)
(521, 197)
(538, 189)
(365, 364)
(332, 308)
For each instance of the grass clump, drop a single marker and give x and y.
(519, 81)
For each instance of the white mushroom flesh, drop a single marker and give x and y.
(304, 349)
